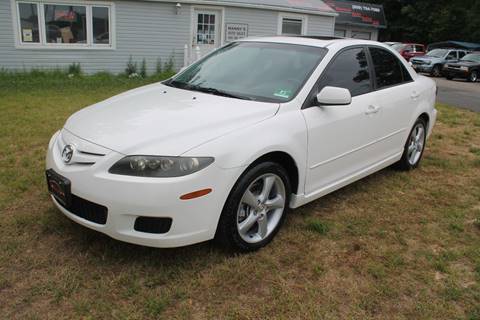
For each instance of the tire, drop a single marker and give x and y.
(473, 76)
(436, 71)
(238, 214)
(449, 77)
(410, 161)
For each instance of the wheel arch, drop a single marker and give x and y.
(285, 160)
(425, 117)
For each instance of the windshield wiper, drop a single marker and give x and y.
(175, 83)
(217, 92)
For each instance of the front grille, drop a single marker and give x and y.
(87, 210)
(153, 224)
(418, 62)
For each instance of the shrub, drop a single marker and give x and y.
(169, 65)
(143, 69)
(74, 69)
(158, 69)
(131, 67)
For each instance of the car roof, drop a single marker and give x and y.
(314, 41)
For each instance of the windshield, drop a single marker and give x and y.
(474, 57)
(269, 72)
(398, 46)
(437, 53)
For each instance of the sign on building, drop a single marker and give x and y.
(235, 31)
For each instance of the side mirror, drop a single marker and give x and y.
(334, 96)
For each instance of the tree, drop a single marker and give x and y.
(427, 21)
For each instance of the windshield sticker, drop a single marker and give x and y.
(283, 93)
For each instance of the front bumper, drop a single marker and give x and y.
(455, 73)
(128, 198)
(426, 68)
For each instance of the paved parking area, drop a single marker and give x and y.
(459, 93)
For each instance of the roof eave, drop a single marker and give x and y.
(254, 6)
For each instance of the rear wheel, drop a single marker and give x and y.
(255, 208)
(413, 149)
(449, 77)
(473, 77)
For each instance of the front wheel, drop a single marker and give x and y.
(413, 149)
(255, 208)
(436, 71)
(473, 77)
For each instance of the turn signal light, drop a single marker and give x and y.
(195, 194)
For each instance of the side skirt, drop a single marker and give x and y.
(299, 200)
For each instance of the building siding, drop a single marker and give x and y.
(143, 30)
(149, 30)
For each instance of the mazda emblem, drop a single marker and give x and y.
(67, 153)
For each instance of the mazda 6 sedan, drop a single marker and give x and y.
(225, 147)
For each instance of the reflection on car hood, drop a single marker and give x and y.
(465, 63)
(161, 120)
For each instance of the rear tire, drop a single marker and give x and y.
(449, 77)
(414, 147)
(255, 209)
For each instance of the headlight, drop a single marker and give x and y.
(160, 167)
(464, 68)
(428, 62)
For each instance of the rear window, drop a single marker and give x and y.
(389, 71)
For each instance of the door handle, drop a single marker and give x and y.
(415, 95)
(372, 109)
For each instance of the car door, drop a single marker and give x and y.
(398, 96)
(451, 56)
(340, 138)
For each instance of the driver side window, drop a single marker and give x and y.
(452, 55)
(349, 70)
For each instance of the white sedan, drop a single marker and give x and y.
(225, 147)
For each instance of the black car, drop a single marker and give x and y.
(467, 68)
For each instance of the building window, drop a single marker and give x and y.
(292, 25)
(340, 33)
(64, 25)
(101, 25)
(361, 35)
(28, 22)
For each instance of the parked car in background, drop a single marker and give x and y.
(409, 50)
(467, 67)
(434, 60)
(226, 146)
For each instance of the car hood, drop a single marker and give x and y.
(425, 58)
(465, 64)
(161, 120)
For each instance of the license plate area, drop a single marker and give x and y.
(59, 187)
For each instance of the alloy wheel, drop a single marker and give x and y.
(261, 208)
(416, 144)
(473, 76)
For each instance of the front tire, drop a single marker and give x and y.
(414, 147)
(473, 77)
(255, 208)
(436, 71)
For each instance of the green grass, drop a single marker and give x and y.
(395, 245)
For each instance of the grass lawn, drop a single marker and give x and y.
(395, 245)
